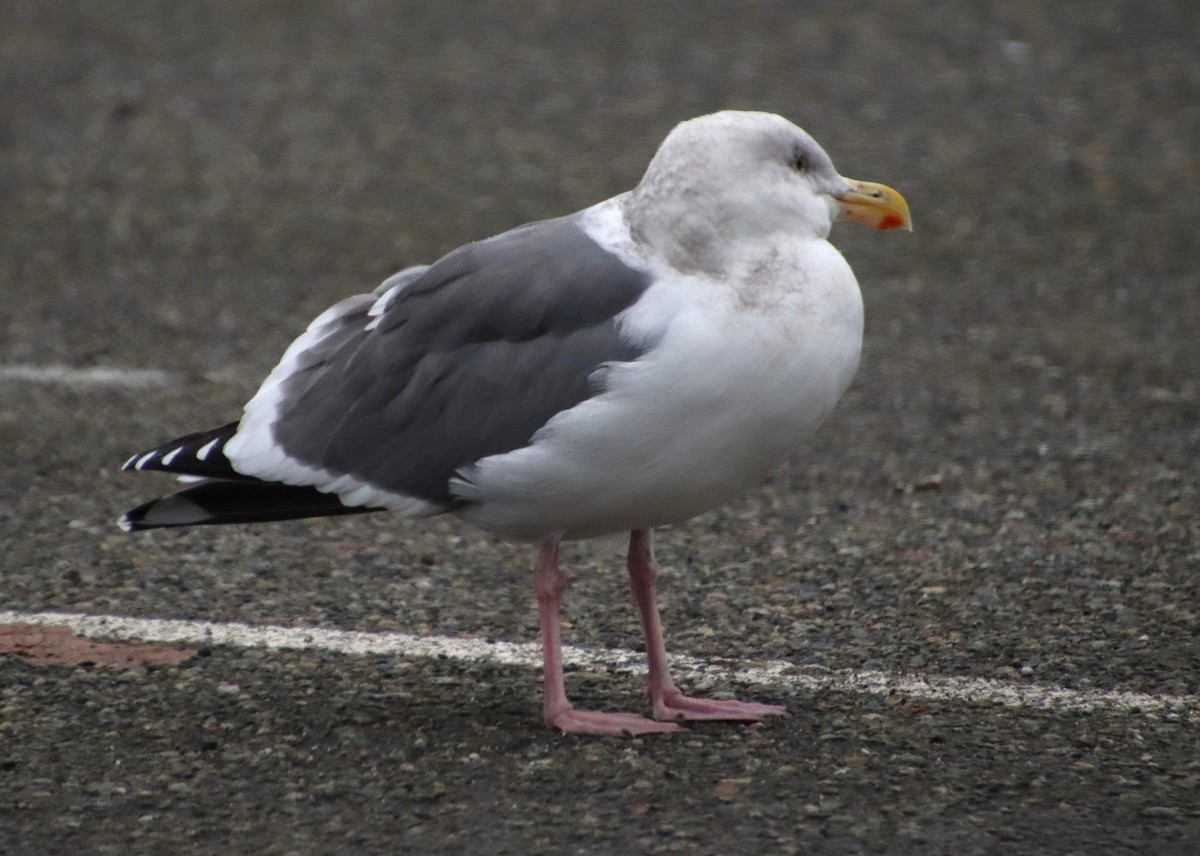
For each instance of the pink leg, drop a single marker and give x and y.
(550, 583)
(668, 702)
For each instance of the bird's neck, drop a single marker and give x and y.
(695, 232)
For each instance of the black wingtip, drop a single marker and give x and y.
(164, 513)
(219, 502)
(201, 454)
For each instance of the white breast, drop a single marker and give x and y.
(741, 371)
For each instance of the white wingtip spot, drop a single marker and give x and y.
(143, 460)
(128, 465)
(204, 451)
(170, 456)
(125, 523)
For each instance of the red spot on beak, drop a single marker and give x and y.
(890, 221)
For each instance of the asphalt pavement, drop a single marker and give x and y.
(1009, 491)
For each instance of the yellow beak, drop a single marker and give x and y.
(875, 205)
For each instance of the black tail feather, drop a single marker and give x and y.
(235, 502)
(200, 454)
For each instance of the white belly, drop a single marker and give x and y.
(725, 394)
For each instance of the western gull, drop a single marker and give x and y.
(625, 367)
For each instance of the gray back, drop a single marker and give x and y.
(468, 360)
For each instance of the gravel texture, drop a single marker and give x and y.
(1009, 490)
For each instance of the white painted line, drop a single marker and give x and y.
(93, 376)
(774, 674)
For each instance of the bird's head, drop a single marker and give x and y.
(745, 175)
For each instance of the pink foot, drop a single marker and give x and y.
(608, 724)
(675, 706)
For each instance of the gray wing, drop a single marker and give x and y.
(465, 359)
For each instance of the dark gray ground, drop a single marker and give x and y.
(183, 186)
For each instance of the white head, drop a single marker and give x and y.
(735, 176)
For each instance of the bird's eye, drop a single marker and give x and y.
(799, 162)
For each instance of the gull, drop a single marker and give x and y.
(622, 368)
